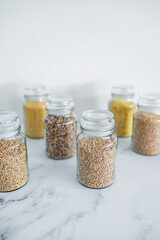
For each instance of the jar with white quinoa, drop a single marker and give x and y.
(96, 149)
(60, 127)
(14, 170)
(146, 125)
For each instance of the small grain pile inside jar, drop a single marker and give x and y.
(123, 107)
(13, 154)
(35, 110)
(146, 128)
(13, 168)
(60, 127)
(96, 147)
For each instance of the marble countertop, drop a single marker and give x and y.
(53, 205)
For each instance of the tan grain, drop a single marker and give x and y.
(13, 169)
(146, 133)
(96, 161)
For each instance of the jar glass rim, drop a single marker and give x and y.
(9, 122)
(149, 100)
(60, 104)
(123, 89)
(97, 120)
(35, 90)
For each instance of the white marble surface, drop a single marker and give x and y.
(53, 205)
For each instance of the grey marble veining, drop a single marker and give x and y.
(53, 205)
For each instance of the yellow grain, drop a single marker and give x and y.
(123, 114)
(34, 112)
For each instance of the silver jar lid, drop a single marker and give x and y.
(9, 122)
(59, 105)
(97, 120)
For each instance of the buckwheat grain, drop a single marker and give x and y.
(60, 136)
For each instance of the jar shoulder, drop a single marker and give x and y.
(146, 115)
(124, 103)
(34, 104)
(12, 143)
(108, 138)
(60, 119)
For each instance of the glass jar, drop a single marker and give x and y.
(60, 127)
(34, 110)
(123, 107)
(146, 125)
(13, 154)
(96, 148)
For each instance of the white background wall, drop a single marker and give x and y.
(78, 47)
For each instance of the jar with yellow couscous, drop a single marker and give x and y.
(34, 110)
(122, 105)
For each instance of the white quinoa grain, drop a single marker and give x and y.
(13, 168)
(146, 133)
(96, 161)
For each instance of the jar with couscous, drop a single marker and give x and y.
(34, 110)
(122, 105)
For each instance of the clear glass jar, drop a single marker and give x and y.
(146, 125)
(60, 127)
(96, 149)
(123, 107)
(34, 110)
(13, 153)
